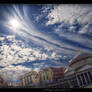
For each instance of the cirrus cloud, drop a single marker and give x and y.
(70, 14)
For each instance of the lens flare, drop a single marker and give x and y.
(14, 23)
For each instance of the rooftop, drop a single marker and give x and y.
(80, 57)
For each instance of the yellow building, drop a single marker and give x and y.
(46, 75)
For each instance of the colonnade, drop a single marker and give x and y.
(84, 78)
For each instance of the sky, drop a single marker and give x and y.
(36, 36)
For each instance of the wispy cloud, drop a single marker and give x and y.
(49, 49)
(28, 31)
(73, 21)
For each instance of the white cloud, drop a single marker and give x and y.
(44, 9)
(2, 38)
(28, 31)
(14, 54)
(10, 37)
(86, 29)
(69, 14)
(37, 69)
(53, 54)
(13, 72)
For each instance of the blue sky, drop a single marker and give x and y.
(33, 37)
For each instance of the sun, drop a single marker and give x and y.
(14, 23)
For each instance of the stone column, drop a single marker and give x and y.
(26, 80)
(78, 80)
(23, 81)
(88, 77)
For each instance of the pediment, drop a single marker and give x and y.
(85, 68)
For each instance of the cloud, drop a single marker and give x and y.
(43, 12)
(73, 21)
(37, 69)
(14, 53)
(1, 38)
(28, 31)
(61, 43)
(13, 72)
(70, 14)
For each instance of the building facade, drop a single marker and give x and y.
(10, 83)
(3, 83)
(51, 75)
(30, 79)
(78, 75)
(42, 78)
(34, 78)
(82, 66)
(58, 73)
(46, 75)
